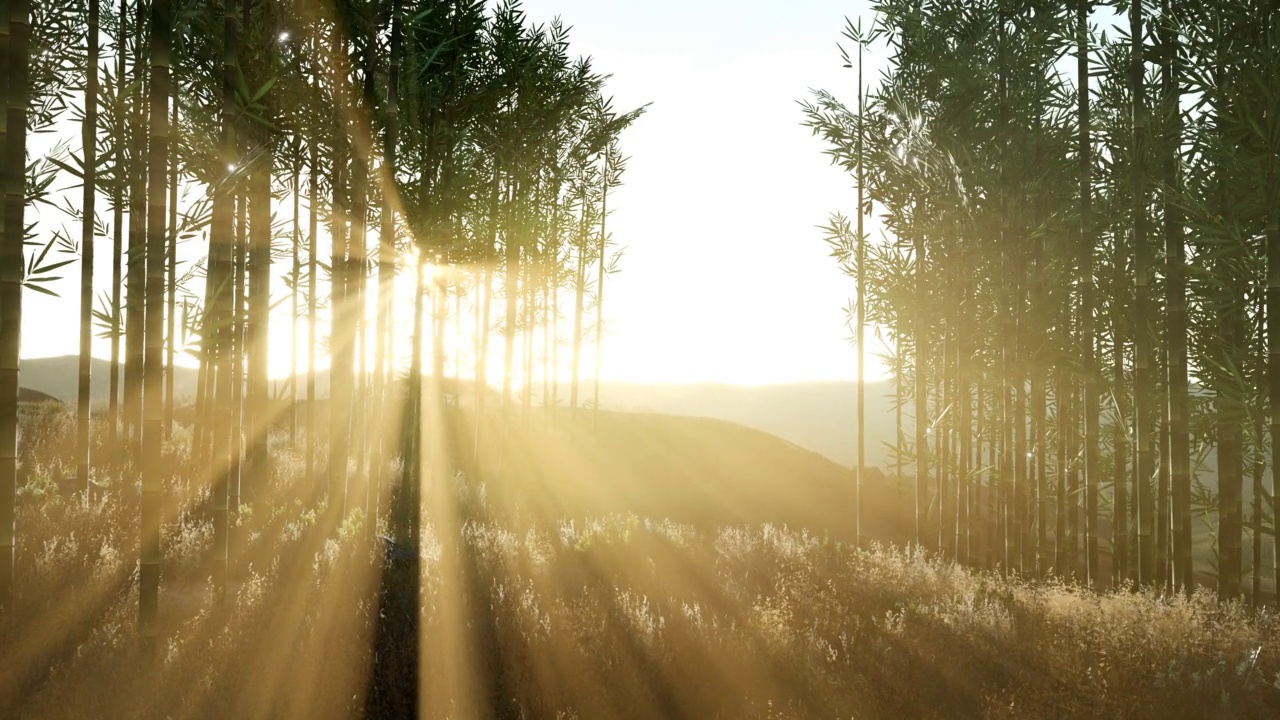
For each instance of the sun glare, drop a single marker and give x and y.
(360, 405)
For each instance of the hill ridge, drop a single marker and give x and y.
(817, 415)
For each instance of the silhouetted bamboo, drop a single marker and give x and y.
(171, 284)
(1272, 235)
(219, 327)
(89, 142)
(579, 298)
(295, 288)
(861, 322)
(1143, 389)
(340, 369)
(601, 248)
(1177, 385)
(313, 222)
(14, 48)
(921, 385)
(153, 357)
(117, 225)
(1087, 338)
(136, 259)
(1230, 404)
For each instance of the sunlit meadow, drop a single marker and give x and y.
(335, 433)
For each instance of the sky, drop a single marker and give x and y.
(725, 276)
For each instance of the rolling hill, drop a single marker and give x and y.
(815, 416)
(684, 464)
(700, 471)
(818, 416)
(57, 377)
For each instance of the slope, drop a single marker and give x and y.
(700, 471)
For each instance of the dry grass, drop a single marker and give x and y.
(613, 616)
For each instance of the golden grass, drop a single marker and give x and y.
(576, 606)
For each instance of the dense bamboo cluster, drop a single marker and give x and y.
(455, 145)
(1080, 290)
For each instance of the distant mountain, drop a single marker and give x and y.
(58, 377)
(817, 416)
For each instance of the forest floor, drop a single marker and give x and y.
(679, 576)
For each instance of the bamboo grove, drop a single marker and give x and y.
(1080, 283)
(307, 154)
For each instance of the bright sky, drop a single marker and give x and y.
(725, 276)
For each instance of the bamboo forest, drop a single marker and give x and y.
(939, 378)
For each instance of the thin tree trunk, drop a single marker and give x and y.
(1258, 463)
(579, 305)
(554, 300)
(991, 509)
(963, 399)
(476, 341)
(89, 139)
(294, 291)
(14, 46)
(1144, 437)
(1040, 438)
(973, 529)
(1062, 535)
(1068, 516)
(357, 277)
(237, 357)
(528, 289)
(546, 329)
(1019, 495)
(257, 322)
(136, 284)
(1163, 576)
(482, 337)
(1088, 341)
(921, 389)
(218, 332)
(117, 230)
(1119, 440)
(900, 506)
(340, 369)
(1075, 506)
(206, 410)
(313, 197)
(1273, 327)
(407, 506)
(482, 356)
(942, 407)
(1231, 411)
(199, 422)
(510, 291)
(861, 321)
(600, 268)
(439, 312)
(386, 261)
(171, 285)
(458, 291)
(153, 358)
(1006, 334)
